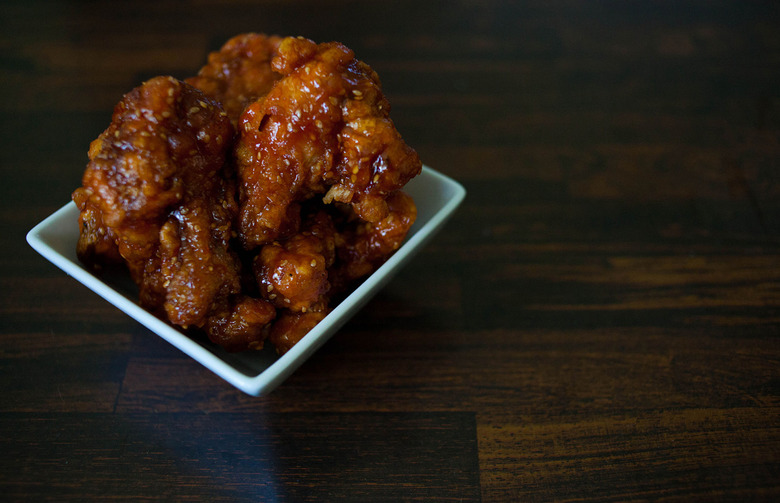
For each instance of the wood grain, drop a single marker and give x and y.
(599, 321)
(243, 457)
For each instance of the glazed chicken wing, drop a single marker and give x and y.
(300, 275)
(322, 130)
(156, 193)
(293, 274)
(290, 328)
(239, 73)
(362, 246)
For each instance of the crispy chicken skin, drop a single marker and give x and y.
(157, 186)
(362, 246)
(239, 73)
(290, 328)
(248, 233)
(293, 274)
(322, 130)
(300, 275)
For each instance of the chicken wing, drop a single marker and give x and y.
(156, 187)
(290, 328)
(293, 274)
(239, 73)
(322, 130)
(362, 247)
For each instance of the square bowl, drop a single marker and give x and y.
(253, 372)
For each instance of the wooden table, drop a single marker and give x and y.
(599, 320)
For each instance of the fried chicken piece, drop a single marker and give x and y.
(323, 128)
(293, 274)
(290, 328)
(137, 166)
(97, 244)
(301, 274)
(157, 186)
(241, 326)
(364, 246)
(239, 73)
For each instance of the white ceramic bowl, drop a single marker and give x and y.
(254, 372)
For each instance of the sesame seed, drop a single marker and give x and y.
(272, 296)
(269, 288)
(170, 91)
(167, 282)
(194, 110)
(203, 104)
(286, 301)
(357, 93)
(355, 170)
(166, 114)
(314, 263)
(318, 123)
(376, 178)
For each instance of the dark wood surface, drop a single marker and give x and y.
(599, 321)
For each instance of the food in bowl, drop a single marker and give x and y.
(245, 201)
